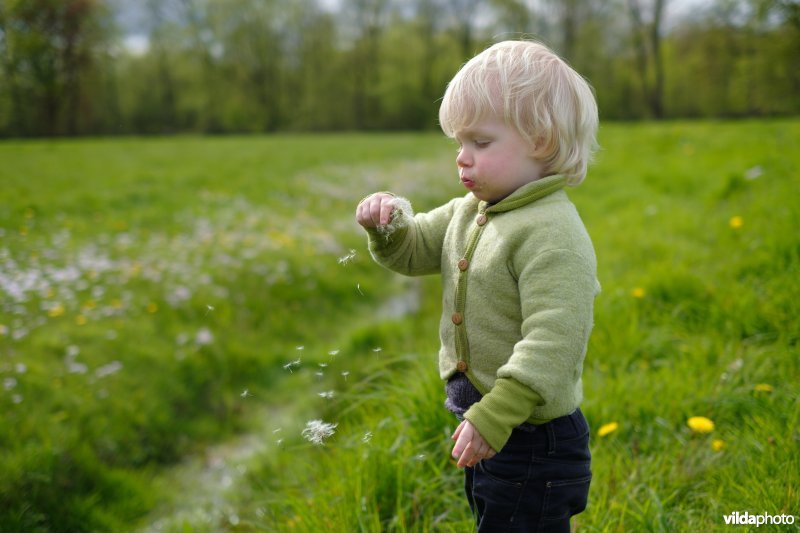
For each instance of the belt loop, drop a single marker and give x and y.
(551, 438)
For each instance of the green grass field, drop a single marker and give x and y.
(164, 295)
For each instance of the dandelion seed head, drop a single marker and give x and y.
(367, 437)
(316, 431)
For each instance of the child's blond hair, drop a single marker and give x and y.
(536, 92)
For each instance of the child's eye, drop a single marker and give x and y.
(480, 143)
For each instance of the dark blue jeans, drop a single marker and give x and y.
(536, 482)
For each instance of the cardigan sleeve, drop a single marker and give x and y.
(557, 291)
(412, 244)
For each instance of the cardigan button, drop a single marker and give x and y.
(457, 318)
(463, 265)
(481, 220)
(461, 366)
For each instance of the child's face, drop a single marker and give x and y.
(494, 160)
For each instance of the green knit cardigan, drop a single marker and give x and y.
(519, 279)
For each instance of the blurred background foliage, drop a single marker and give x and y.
(95, 67)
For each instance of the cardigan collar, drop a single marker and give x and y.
(526, 194)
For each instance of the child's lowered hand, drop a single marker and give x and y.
(375, 210)
(470, 446)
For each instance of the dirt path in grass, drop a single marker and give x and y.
(203, 489)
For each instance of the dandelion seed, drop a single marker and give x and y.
(320, 375)
(300, 348)
(277, 430)
(291, 364)
(345, 374)
(607, 429)
(377, 349)
(420, 457)
(717, 445)
(322, 365)
(736, 364)
(700, 424)
(245, 393)
(106, 370)
(327, 394)
(367, 437)
(209, 308)
(753, 173)
(333, 353)
(358, 288)
(347, 258)
(203, 337)
(316, 431)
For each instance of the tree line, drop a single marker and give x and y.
(67, 67)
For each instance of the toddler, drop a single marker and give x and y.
(519, 278)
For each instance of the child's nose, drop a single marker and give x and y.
(463, 159)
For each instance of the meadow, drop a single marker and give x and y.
(178, 307)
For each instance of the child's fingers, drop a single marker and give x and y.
(467, 456)
(375, 211)
(457, 432)
(386, 210)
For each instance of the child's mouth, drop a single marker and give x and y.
(468, 183)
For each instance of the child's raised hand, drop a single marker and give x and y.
(470, 446)
(375, 210)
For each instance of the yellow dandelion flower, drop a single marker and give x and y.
(700, 424)
(717, 445)
(736, 222)
(763, 387)
(638, 292)
(152, 307)
(607, 429)
(3, 329)
(56, 311)
(80, 320)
